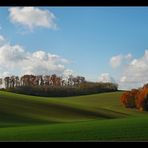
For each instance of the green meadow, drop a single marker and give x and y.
(98, 117)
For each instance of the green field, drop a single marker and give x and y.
(98, 117)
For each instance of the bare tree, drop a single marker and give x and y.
(7, 82)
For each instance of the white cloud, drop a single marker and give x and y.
(135, 73)
(10, 54)
(123, 79)
(16, 60)
(105, 77)
(2, 40)
(42, 63)
(68, 72)
(128, 57)
(4, 74)
(31, 17)
(116, 61)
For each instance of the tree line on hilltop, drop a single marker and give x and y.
(53, 85)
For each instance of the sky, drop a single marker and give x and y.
(104, 44)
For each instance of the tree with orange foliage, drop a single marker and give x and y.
(136, 98)
(128, 98)
(142, 99)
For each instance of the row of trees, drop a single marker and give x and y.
(136, 98)
(81, 89)
(53, 85)
(40, 80)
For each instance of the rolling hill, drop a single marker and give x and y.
(90, 117)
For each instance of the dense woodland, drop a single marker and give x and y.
(53, 85)
(136, 98)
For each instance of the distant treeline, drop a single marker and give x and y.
(41, 80)
(84, 88)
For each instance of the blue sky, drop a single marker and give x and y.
(88, 37)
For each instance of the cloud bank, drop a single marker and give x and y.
(133, 71)
(135, 74)
(14, 59)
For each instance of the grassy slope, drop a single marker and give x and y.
(36, 118)
(21, 108)
(99, 130)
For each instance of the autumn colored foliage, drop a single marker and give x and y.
(136, 98)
